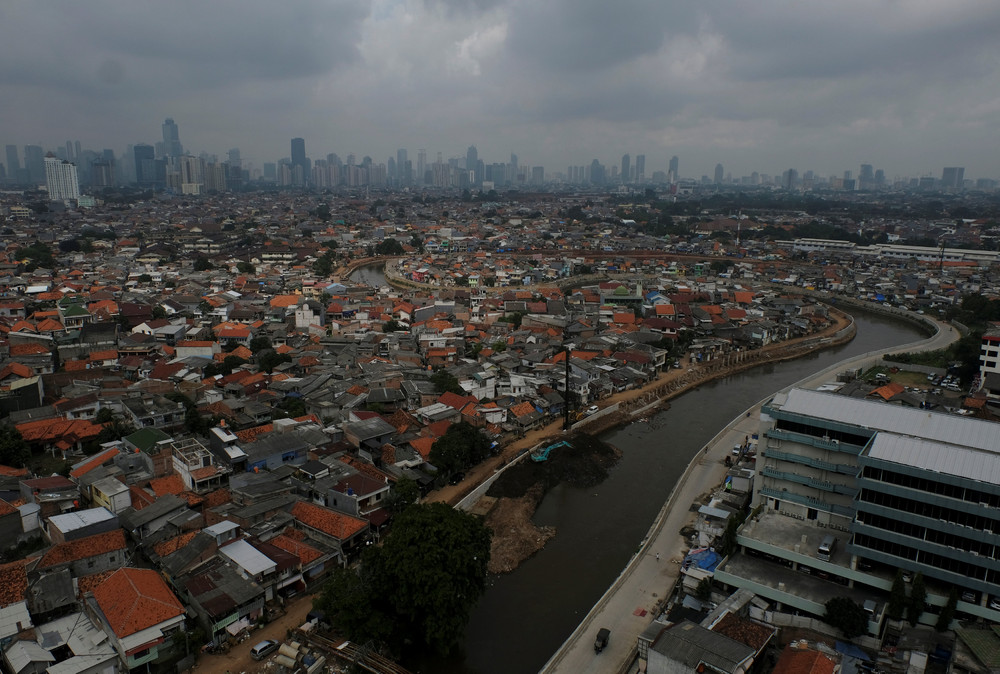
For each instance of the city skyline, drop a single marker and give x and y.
(557, 83)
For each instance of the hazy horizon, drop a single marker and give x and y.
(907, 87)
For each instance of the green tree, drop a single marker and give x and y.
(392, 325)
(245, 267)
(404, 493)
(918, 600)
(259, 343)
(418, 586)
(202, 264)
(446, 382)
(948, 612)
(323, 212)
(389, 247)
(289, 407)
(846, 615)
(268, 360)
(461, 446)
(14, 451)
(145, 278)
(159, 312)
(897, 598)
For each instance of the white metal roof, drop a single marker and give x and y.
(221, 528)
(80, 518)
(938, 457)
(248, 558)
(880, 416)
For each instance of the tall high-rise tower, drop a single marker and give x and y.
(674, 164)
(13, 165)
(421, 166)
(299, 159)
(145, 167)
(402, 175)
(640, 168)
(171, 139)
(61, 179)
(719, 173)
(471, 162)
(34, 161)
(626, 168)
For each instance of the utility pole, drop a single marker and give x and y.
(566, 351)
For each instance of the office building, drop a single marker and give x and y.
(300, 166)
(719, 173)
(952, 177)
(13, 165)
(145, 164)
(171, 139)
(61, 179)
(640, 168)
(626, 168)
(851, 489)
(421, 166)
(34, 162)
(472, 165)
(402, 176)
(674, 167)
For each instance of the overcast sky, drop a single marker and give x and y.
(907, 85)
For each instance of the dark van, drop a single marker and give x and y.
(603, 636)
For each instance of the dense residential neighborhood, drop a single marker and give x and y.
(208, 409)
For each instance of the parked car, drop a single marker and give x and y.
(593, 409)
(603, 636)
(264, 649)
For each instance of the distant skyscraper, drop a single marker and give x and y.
(402, 177)
(171, 139)
(299, 159)
(719, 173)
(952, 177)
(234, 158)
(145, 164)
(790, 179)
(597, 173)
(34, 162)
(674, 164)
(640, 168)
(626, 168)
(421, 166)
(13, 164)
(471, 163)
(78, 149)
(61, 179)
(69, 153)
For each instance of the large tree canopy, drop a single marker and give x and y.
(461, 446)
(419, 586)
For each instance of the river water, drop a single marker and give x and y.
(525, 616)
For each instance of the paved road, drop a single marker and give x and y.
(649, 577)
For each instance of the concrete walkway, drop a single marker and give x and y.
(636, 596)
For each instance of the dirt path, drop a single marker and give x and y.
(238, 660)
(670, 383)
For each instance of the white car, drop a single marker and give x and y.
(593, 409)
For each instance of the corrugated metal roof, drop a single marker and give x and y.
(938, 457)
(879, 416)
(247, 557)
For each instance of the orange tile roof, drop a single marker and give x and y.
(332, 523)
(94, 462)
(804, 662)
(522, 409)
(174, 544)
(171, 484)
(13, 583)
(423, 446)
(82, 548)
(284, 301)
(136, 599)
(305, 552)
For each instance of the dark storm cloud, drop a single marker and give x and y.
(180, 44)
(586, 35)
(795, 83)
